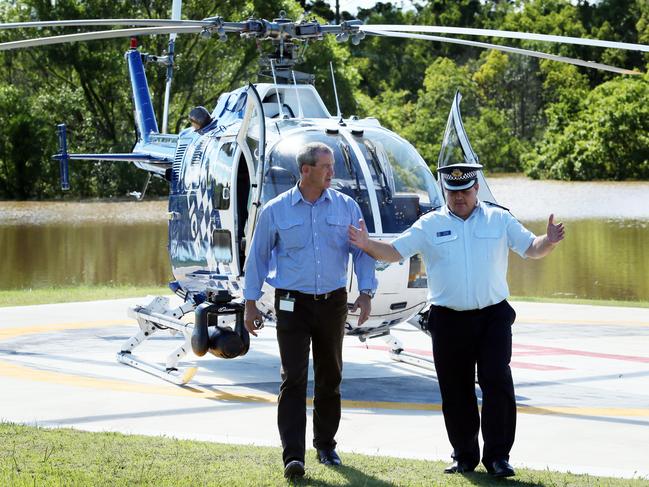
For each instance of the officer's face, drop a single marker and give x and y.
(463, 202)
(320, 176)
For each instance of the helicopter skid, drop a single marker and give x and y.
(398, 354)
(178, 377)
(156, 316)
(412, 359)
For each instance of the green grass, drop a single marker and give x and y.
(27, 297)
(592, 302)
(35, 456)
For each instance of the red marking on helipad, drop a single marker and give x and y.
(539, 350)
(518, 365)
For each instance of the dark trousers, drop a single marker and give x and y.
(319, 322)
(462, 340)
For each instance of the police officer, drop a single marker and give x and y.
(300, 247)
(465, 246)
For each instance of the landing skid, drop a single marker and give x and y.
(156, 316)
(398, 354)
(175, 376)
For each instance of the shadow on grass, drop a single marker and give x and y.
(356, 477)
(483, 478)
(351, 474)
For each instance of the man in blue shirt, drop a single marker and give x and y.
(301, 248)
(465, 246)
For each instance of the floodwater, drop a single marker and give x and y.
(605, 254)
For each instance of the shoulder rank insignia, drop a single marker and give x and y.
(430, 210)
(491, 203)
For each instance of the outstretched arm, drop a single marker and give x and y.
(379, 250)
(543, 245)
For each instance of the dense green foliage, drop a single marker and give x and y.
(545, 118)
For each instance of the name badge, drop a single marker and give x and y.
(444, 233)
(287, 304)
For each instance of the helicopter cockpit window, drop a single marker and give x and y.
(281, 172)
(220, 173)
(405, 188)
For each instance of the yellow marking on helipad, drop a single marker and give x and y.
(7, 333)
(8, 369)
(15, 371)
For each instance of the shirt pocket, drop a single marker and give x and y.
(292, 235)
(443, 244)
(336, 228)
(488, 241)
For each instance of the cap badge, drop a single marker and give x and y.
(456, 173)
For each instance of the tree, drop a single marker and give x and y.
(606, 139)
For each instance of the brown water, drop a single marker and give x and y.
(605, 254)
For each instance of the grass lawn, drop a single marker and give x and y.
(26, 297)
(32, 456)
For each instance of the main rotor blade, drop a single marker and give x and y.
(91, 36)
(515, 50)
(506, 34)
(96, 22)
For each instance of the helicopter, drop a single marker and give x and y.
(241, 154)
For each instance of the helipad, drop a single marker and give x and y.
(581, 374)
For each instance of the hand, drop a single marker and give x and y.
(359, 237)
(253, 319)
(555, 233)
(364, 302)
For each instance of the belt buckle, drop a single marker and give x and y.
(321, 297)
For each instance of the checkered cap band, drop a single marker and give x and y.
(458, 175)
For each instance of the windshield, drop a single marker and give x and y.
(282, 173)
(405, 187)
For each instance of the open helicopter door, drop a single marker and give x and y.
(456, 149)
(252, 140)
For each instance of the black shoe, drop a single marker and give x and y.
(459, 467)
(329, 457)
(500, 468)
(293, 469)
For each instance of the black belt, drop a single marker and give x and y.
(467, 311)
(314, 297)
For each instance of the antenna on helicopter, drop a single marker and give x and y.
(297, 95)
(175, 15)
(279, 103)
(333, 80)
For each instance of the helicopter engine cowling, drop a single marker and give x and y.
(221, 341)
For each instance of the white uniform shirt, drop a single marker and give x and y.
(466, 260)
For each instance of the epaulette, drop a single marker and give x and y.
(430, 210)
(496, 205)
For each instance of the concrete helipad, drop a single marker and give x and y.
(581, 374)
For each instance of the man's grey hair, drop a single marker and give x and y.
(309, 154)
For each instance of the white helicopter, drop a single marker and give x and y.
(242, 154)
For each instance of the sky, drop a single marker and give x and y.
(353, 5)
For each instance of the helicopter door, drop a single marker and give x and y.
(252, 140)
(456, 149)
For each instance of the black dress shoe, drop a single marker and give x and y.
(459, 467)
(500, 468)
(328, 457)
(293, 469)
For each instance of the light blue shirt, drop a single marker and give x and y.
(302, 246)
(466, 260)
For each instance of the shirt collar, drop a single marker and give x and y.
(479, 208)
(296, 196)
